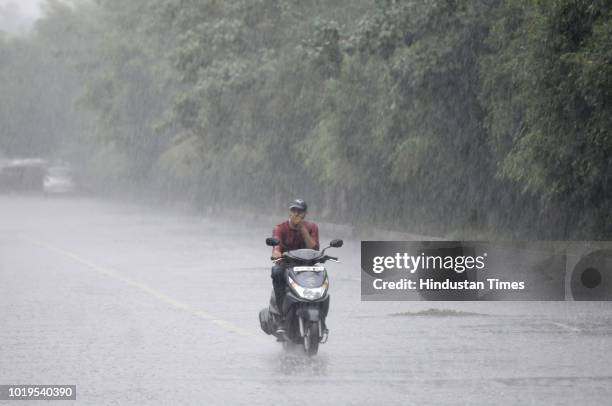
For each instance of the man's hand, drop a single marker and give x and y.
(301, 227)
(306, 235)
(276, 254)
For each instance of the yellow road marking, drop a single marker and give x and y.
(112, 273)
(566, 326)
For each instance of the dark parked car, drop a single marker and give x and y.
(23, 175)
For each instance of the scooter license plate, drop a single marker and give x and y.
(308, 269)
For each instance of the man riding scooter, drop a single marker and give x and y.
(295, 233)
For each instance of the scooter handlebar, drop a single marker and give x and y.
(326, 258)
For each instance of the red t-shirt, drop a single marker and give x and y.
(291, 239)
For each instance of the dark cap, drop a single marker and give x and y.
(298, 204)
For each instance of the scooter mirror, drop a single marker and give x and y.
(272, 241)
(336, 243)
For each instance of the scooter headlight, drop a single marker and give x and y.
(308, 293)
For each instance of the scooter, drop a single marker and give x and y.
(306, 301)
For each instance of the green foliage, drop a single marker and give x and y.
(32, 121)
(437, 116)
(552, 132)
(323, 48)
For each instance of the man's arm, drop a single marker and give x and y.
(310, 235)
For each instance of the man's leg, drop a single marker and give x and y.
(278, 283)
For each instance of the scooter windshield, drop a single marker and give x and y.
(304, 255)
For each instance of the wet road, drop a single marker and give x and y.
(146, 306)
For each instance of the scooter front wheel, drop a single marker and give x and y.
(311, 339)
